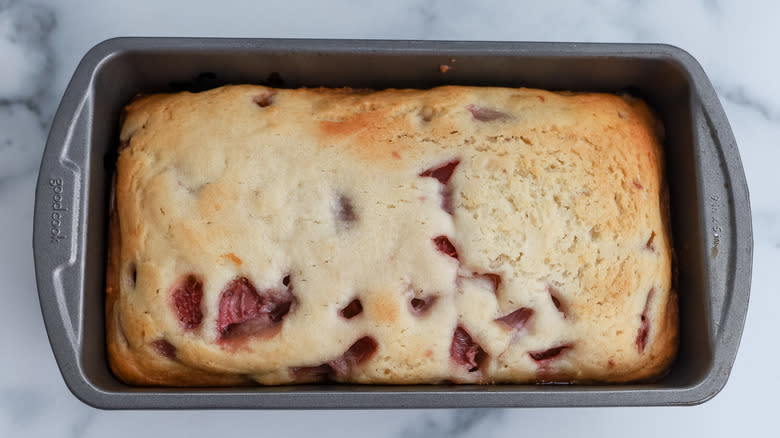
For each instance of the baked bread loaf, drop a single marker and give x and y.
(465, 234)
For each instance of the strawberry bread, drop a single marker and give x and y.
(463, 234)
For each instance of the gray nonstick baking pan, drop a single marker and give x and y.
(711, 221)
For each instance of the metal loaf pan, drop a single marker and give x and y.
(711, 220)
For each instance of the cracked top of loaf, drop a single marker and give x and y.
(464, 234)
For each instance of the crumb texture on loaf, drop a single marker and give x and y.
(466, 234)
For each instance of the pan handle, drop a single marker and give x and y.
(58, 226)
(727, 221)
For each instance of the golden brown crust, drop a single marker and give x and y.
(552, 191)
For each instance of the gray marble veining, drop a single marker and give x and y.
(739, 96)
(456, 423)
(25, 97)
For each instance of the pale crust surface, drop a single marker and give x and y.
(558, 194)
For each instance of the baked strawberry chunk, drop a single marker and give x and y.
(362, 350)
(464, 351)
(446, 247)
(644, 324)
(650, 245)
(359, 352)
(312, 373)
(421, 305)
(264, 99)
(345, 212)
(484, 114)
(245, 312)
(186, 298)
(442, 172)
(517, 319)
(164, 348)
(555, 296)
(545, 356)
(352, 309)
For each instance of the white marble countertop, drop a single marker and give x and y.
(42, 41)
